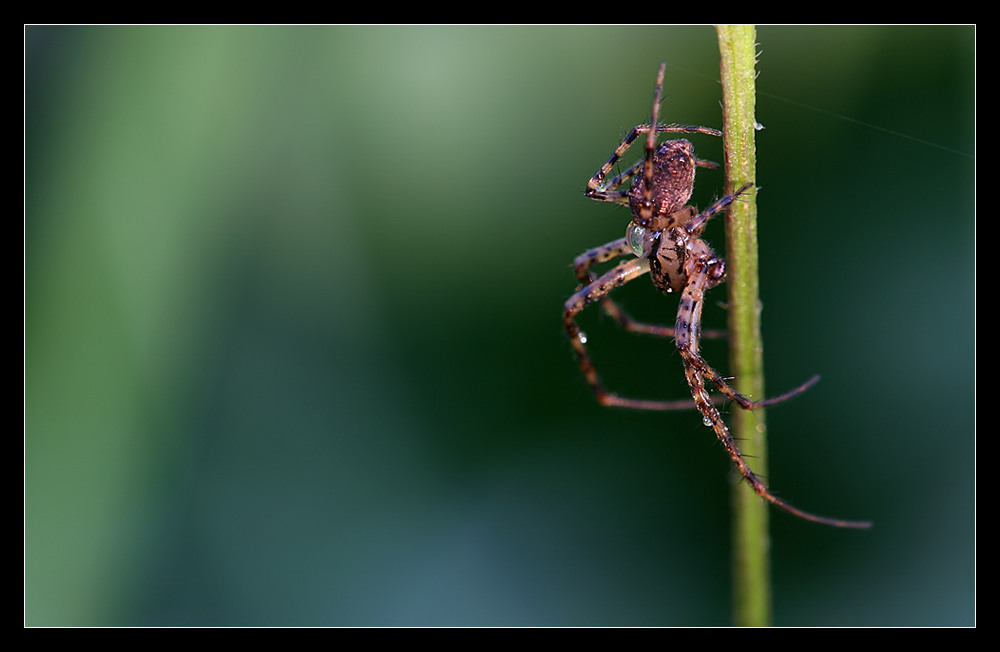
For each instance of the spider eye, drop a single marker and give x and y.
(635, 235)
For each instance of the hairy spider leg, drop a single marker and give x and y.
(646, 210)
(595, 291)
(696, 368)
(688, 321)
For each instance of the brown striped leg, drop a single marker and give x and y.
(695, 370)
(697, 223)
(594, 292)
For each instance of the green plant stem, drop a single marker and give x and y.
(750, 539)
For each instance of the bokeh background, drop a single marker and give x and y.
(293, 341)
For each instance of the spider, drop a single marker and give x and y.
(664, 240)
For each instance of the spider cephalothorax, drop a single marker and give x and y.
(664, 240)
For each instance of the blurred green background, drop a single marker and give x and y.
(294, 352)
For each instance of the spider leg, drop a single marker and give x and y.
(645, 209)
(696, 369)
(599, 189)
(596, 291)
(697, 223)
(604, 253)
(609, 191)
(726, 389)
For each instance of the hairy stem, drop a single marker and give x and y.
(750, 539)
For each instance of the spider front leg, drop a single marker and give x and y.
(696, 369)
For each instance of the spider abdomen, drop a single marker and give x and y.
(671, 181)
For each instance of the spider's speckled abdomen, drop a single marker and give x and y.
(672, 181)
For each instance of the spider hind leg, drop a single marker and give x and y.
(696, 370)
